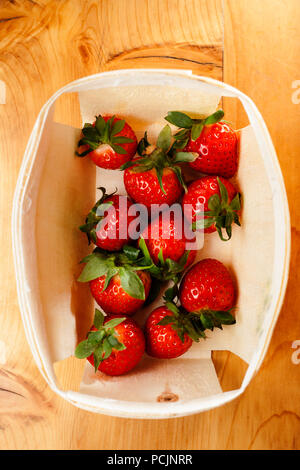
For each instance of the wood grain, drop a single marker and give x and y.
(44, 44)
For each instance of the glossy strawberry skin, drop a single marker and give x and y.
(207, 285)
(121, 362)
(105, 156)
(108, 236)
(114, 300)
(167, 240)
(144, 188)
(161, 340)
(200, 191)
(217, 149)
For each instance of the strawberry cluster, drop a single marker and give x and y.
(124, 273)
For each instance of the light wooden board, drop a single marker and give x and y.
(45, 44)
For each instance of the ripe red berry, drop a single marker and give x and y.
(109, 235)
(119, 282)
(218, 198)
(217, 149)
(163, 341)
(108, 222)
(165, 237)
(155, 177)
(109, 141)
(212, 142)
(144, 188)
(114, 299)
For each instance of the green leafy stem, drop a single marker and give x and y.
(195, 323)
(103, 132)
(163, 155)
(190, 128)
(165, 269)
(221, 213)
(125, 264)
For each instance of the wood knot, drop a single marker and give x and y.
(84, 52)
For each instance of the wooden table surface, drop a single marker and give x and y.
(253, 45)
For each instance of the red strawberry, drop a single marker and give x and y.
(165, 242)
(112, 233)
(117, 282)
(218, 199)
(217, 149)
(207, 287)
(155, 178)
(165, 336)
(114, 345)
(170, 329)
(215, 143)
(109, 141)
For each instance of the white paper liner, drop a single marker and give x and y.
(153, 378)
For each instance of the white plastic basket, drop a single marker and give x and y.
(133, 92)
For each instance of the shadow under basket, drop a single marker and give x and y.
(55, 190)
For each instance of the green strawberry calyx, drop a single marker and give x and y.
(193, 324)
(103, 132)
(125, 264)
(159, 157)
(102, 341)
(190, 128)
(221, 213)
(179, 323)
(92, 220)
